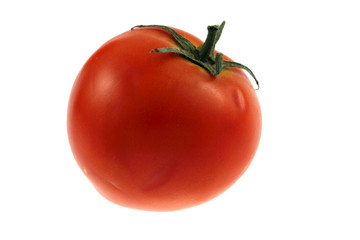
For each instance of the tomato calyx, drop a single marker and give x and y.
(204, 55)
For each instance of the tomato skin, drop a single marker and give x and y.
(157, 132)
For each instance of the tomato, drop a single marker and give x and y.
(157, 131)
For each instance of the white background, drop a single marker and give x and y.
(304, 181)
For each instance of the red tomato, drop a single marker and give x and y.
(157, 131)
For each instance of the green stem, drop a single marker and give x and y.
(209, 45)
(204, 56)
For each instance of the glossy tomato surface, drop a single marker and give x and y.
(157, 132)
